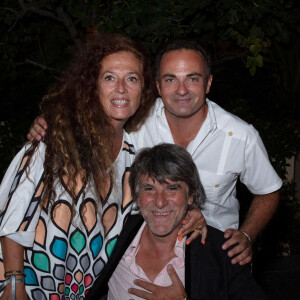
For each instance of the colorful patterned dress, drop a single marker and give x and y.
(63, 257)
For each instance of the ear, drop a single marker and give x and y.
(190, 200)
(209, 81)
(158, 87)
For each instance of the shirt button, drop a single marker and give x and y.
(230, 133)
(216, 185)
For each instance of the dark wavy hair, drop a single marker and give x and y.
(167, 162)
(79, 135)
(182, 44)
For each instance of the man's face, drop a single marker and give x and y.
(183, 82)
(163, 206)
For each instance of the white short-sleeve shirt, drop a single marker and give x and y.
(226, 148)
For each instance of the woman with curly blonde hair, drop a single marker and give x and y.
(64, 200)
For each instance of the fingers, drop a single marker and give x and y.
(228, 233)
(33, 135)
(204, 235)
(173, 275)
(193, 236)
(236, 238)
(140, 293)
(242, 251)
(193, 220)
(37, 130)
(243, 258)
(145, 285)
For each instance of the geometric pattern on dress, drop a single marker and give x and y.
(33, 205)
(110, 217)
(61, 215)
(69, 252)
(89, 221)
(110, 245)
(127, 197)
(22, 167)
(128, 147)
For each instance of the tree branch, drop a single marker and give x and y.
(40, 66)
(61, 17)
(67, 21)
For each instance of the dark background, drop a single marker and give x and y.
(255, 48)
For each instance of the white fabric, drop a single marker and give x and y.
(224, 149)
(63, 257)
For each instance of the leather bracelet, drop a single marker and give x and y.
(13, 272)
(247, 236)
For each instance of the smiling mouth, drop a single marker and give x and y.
(156, 213)
(120, 102)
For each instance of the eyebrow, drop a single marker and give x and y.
(187, 75)
(143, 185)
(168, 75)
(194, 74)
(175, 185)
(129, 73)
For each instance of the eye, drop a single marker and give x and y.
(170, 80)
(173, 188)
(108, 78)
(193, 79)
(147, 188)
(133, 79)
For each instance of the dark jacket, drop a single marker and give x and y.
(209, 273)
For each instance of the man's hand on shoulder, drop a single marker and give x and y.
(37, 130)
(173, 292)
(242, 251)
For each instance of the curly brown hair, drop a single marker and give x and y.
(79, 135)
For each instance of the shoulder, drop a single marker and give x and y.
(215, 237)
(231, 123)
(154, 112)
(213, 244)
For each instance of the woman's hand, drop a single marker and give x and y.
(194, 222)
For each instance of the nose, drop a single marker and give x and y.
(181, 88)
(159, 200)
(121, 86)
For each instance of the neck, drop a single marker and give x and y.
(155, 252)
(160, 246)
(184, 130)
(117, 139)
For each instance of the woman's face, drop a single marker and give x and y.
(120, 86)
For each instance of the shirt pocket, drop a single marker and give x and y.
(218, 187)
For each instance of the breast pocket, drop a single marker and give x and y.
(218, 188)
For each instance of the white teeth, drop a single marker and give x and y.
(120, 102)
(161, 213)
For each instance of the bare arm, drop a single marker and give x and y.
(260, 212)
(13, 256)
(38, 129)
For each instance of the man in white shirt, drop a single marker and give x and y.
(148, 261)
(224, 147)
